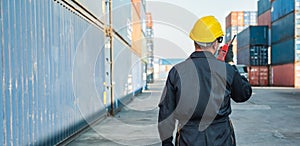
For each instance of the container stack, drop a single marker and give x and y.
(149, 44)
(258, 71)
(285, 40)
(236, 22)
(252, 44)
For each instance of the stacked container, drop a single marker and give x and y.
(285, 53)
(253, 46)
(259, 63)
(236, 22)
(150, 57)
(55, 59)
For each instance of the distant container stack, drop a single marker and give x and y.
(252, 44)
(149, 44)
(257, 57)
(285, 41)
(236, 22)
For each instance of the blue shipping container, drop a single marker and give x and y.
(263, 6)
(253, 55)
(281, 8)
(283, 52)
(283, 28)
(50, 58)
(253, 35)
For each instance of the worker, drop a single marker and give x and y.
(196, 97)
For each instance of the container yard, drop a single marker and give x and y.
(236, 22)
(81, 72)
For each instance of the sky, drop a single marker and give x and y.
(173, 19)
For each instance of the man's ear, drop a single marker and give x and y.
(215, 45)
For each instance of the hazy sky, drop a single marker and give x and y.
(173, 20)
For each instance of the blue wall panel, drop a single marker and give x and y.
(281, 8)
(52, 70)
(283, 28)
(263, 6)
(253, 35)
(283, 52)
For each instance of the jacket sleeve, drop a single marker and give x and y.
(241, 89)
(166, 120)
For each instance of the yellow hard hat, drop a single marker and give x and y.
(206, 30)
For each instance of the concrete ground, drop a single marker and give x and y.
(270, 118)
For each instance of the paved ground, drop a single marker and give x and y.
(270, 118)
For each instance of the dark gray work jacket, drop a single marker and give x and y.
(197, 94)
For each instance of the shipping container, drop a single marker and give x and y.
(281, 8)
(253, 55)
(53, 69)
(253, 35)
(283, 52)
(263, 6)
(235, 18)
(265, 19)
(136, 27)
(258, 75)
(283, 28)
(250, 18)
(283, 75)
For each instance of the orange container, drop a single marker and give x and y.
(283, 75)
(136, 36)
(149, 20)
(265, 18)
(258, 75)
(235, 18)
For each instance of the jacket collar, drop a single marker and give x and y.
(202, 54)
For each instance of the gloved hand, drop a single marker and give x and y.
(229, 56)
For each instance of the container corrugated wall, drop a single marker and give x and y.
(235, 19)
(281, 8)
(38, 43)
(263, 6)
(283, 52)
(52, 70)
(252, 46)
(283, 28)
(253, 55)
(253, 35)
(258, 75)
(283, 75)
(264, 19)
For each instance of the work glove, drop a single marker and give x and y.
(229, 56)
